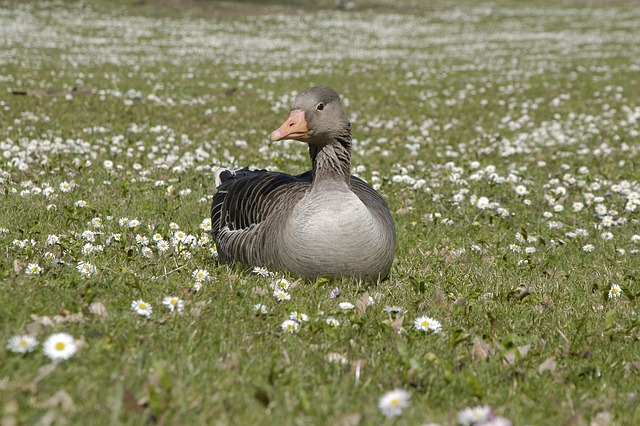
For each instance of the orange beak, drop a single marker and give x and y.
(294, 127)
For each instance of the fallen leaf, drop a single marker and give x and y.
(509, 357)
(59, 399)
(357, 367)
(548, 365)
(481, 349)
(42, 320)
(524, 350)
(603, 418)
(363, 303)
(130, 403)
(396, 325)
(98, 309)
(351, 419)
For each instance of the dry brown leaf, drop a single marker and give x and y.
(481, 349)
(363, 303)
(130, 403)
(524, 350)
(59, 399)
(351, 419)
(17, 266)
(42, 320)
(548, 365)
(509, 357)
(603, 418)
(98, 309)
(396, 325)
(198, 308)
(357, 367)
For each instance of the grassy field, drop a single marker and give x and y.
(505, 137)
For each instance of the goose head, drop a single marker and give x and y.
(316, 117)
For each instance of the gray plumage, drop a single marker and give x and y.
(324, 222)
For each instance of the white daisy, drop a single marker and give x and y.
(22, 344)
(393, 402)
(290, 326)
(200, 275)
(60, 346)
(33, 269)
(425, 323)
(259, 308)
(298, 316)
(141, 308)
(588, 248)
(162, 246)
(205, 225)
(281, 284)
(332, 322)
(86, 269)
(80, 203)
(263, 272)
(615, 291)
(281, 295)
(475, 415)
(53, 239)
(173, 303)
(346, 306)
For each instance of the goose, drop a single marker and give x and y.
(324, 222)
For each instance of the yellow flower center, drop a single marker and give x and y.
(143, 306)
(394, 402)
(174, 302)
(425, 323)
(23, 343)
(59, 346)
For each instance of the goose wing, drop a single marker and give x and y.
(247, 210)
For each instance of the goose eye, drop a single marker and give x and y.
(320, 106)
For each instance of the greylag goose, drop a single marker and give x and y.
(325, 222)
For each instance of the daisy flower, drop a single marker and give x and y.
(65, 186)
(298, 316)
(615, 291)
(200, 275)
(52, 239)
(263, 272)
(86, 269)
(346, 306)
(475, 415)
(162, 246)
(425, 323)
(173, 303)
(142, 240)
(33, 269)
(133, 223)
(60, 346)
(205, 225)
(335, 292)
(281, 284)
(259, 308)
(393, 402)
(22, 344)
(332, 322)
(141, 308)
(290, 326)
(635, 238)
(281, 295)
(588, 248)
(80, 203)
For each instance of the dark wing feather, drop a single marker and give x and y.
(244, 201)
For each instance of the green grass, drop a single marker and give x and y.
(532, 93)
